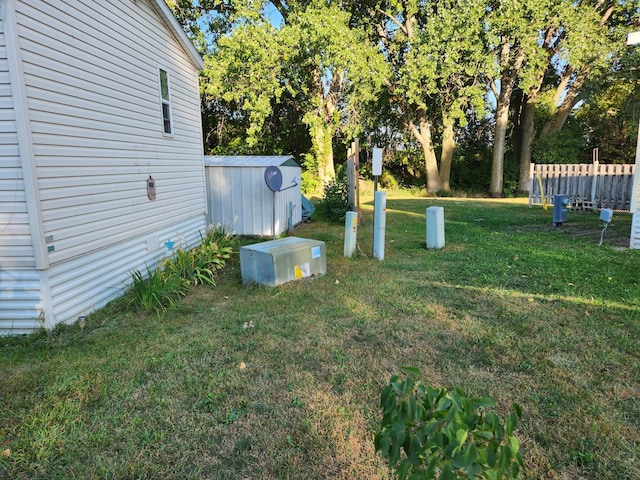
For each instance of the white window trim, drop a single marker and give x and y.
(164, 102)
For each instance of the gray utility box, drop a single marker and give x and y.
(560, 205)
(284, 260)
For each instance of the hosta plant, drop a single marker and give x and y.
(435, 433)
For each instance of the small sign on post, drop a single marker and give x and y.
(376, 167)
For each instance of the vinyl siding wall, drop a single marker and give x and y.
(634, 241)
(91, 79)
(16, 249)
(91, 72)
(635, 232)
(86, 283)
(20, 292)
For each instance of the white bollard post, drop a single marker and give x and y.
(379, 223)
(435, 227)
(350, 233)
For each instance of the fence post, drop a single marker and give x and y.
(594, 184)
(532, 168)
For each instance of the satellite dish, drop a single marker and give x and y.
(273, 178)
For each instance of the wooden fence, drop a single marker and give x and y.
(591, 186)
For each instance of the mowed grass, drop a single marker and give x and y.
(250, 382)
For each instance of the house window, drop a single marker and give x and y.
(165, 99)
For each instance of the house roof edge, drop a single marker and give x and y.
(167, 16)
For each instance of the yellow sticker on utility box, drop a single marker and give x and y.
(302, 271)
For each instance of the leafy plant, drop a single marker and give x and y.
(189, 265)
(198, 265)
(444, 434)
(220, 235)
(335, 201)
(156, 290)
(164, 286)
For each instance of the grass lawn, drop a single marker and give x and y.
(250, 382)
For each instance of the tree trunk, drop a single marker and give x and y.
(555, 124)
(446, 158)
(507, 83)
(321, 141)
(528, 132)
(499, 139)
(516, 111)
(423, 134)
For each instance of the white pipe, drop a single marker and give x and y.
(350, 233)
(435, 227)
(379, 223)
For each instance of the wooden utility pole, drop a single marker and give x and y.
(353, 177)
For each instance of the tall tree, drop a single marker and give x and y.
(594, 40)
(315, 55)
(335, 72)
(582, 41)
(514, 28)
(436, 57)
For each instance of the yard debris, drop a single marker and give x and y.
(248, 325)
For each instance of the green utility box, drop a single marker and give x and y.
(284, 260)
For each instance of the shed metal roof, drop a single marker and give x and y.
(249, 161)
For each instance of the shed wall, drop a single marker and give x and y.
(240, 200)
(91, 74)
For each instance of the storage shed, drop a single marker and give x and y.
(239, 198)
(100, 152)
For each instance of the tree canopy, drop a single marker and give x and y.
(306, 77)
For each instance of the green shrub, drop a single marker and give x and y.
(220, 235)
(388, 181)
(216, 247)
(156, 290)
(163, 287)
(198, 265)
(335, 200)
(444, 434)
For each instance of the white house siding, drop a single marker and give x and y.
(20, 292)
(91, 79)
(91, 72)
(634, 241)
(86, 283)
(635, 232)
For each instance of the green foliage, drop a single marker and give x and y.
(162, 287)
(244, 71)
(444, 434)
(310, 182)
(387, 180)
(610, 119)
(335, 200)
(156, 290)
(221, 236)
(566, 146)
(197, 266)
